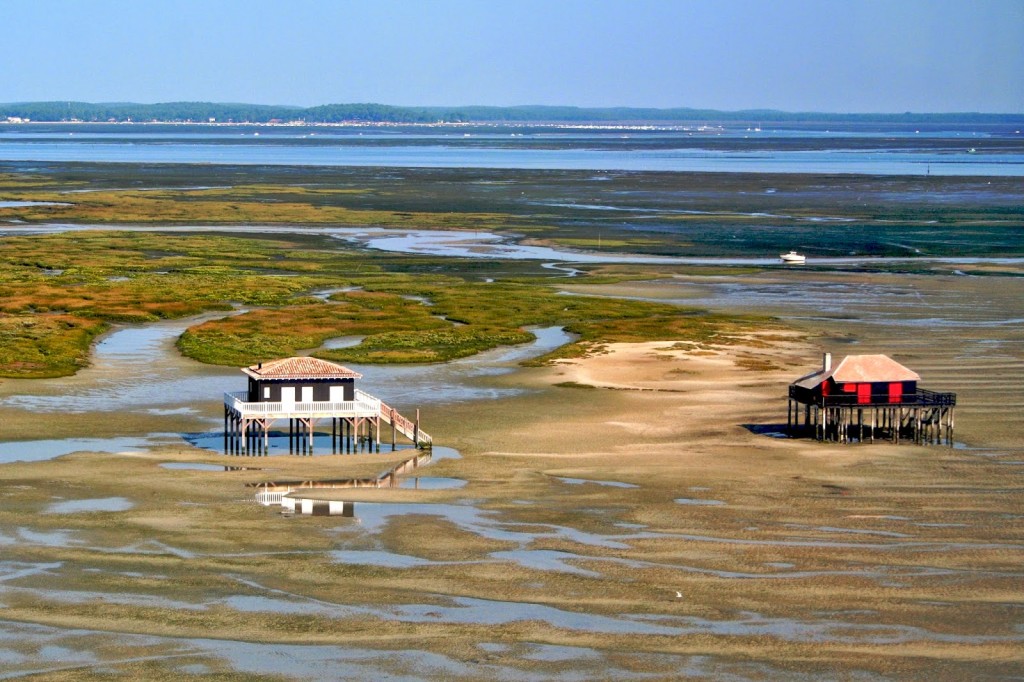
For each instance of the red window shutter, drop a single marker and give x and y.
(863, 393)
(896, 392)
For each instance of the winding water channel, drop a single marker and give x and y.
(137, 370)
(479, 244)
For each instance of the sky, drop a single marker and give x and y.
(841, 56)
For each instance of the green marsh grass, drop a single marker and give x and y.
(59, 291)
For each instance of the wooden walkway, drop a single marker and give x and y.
(355, 424)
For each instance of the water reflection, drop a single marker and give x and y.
(289, 494)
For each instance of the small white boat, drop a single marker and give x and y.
(793, 257)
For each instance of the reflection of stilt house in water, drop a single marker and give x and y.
(305, 391)
(865, 396)
(300, 496)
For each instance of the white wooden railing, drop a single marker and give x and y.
(363, 406)
(269, 498)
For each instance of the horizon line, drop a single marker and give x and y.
(582, 108)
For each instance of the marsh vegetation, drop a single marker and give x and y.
(61, 290)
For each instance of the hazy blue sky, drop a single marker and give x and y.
(825, 55)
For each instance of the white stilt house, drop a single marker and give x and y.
(305, 391)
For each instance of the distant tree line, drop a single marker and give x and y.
(202, 112)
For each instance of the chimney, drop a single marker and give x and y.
(826, 362)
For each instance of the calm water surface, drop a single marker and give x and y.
(500, 147)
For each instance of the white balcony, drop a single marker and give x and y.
(364, 405)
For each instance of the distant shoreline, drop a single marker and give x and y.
(582, 125)
(207, 113)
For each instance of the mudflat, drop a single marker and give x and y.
(631, 509)
(630, 514)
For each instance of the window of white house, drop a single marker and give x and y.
(266, 391)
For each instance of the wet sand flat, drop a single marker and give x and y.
(633, 514)
(641, 528)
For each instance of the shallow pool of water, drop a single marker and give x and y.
(194, 466)
(50, 538)
(431, 483)
(99, 504)
(372, 517)
(342, 342)
(547, 560)
(699, 502)
(380, 558)
(582, 481)
(38, 450)
(29, 649)
(25, 204)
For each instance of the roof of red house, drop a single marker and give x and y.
(861, 369)
(300, 368)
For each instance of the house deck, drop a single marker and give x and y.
(355, 424)
(868, 396)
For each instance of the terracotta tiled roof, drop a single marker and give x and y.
(300, 368)
(861, 369)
